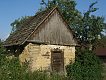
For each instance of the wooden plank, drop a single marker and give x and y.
(57, 61)
(54, 31)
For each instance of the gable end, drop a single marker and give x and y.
(53, 30)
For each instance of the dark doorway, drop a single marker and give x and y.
(57, 60)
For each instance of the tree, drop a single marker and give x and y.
(91, 27)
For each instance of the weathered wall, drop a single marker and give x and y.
(54, 30)
(39, 56)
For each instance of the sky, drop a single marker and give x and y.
(14, 9)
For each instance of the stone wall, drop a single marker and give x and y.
(39, 56)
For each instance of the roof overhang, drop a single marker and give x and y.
(47, 43)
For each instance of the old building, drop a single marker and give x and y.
(45, 41)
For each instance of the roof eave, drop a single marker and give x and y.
(11, 45)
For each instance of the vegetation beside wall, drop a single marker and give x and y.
(86, 67)
(10, 69)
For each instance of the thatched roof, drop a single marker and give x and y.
(18, 37)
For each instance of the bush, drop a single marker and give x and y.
(10, 69)
(87, 67)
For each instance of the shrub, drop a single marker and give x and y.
(87, 66)
(10, 69)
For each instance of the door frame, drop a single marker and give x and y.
(62, 54)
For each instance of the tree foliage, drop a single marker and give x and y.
(91, 26)
(86, 67)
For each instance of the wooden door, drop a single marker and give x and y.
(57, 61)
